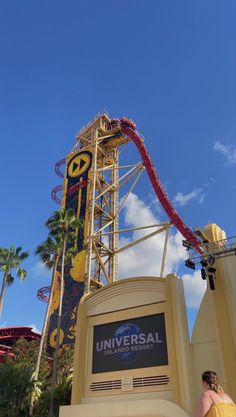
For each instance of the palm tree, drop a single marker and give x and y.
(63, 224)
(11, 259)
(49, 253)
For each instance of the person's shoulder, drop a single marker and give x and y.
(206, 398)
(204, 404)
(207, 394)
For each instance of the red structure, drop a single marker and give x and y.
(128, 128)
(10, 335)
(43, 294)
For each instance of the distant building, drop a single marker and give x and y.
(10, 335)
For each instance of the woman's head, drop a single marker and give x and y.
(211, 378)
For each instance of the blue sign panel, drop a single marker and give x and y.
(130, 344)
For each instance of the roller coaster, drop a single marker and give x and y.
(128, 128)
(92, 179)
(194, 241)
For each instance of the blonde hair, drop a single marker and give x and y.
(211, 378)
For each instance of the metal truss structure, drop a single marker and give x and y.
(108, 138)
(211, 250)
(108, 179)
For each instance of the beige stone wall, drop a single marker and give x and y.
(213, 344)
(150, 408)
(214, 334)
(134, 297)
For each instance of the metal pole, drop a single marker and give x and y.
(164, 252)
(91, 216)
(114, 238)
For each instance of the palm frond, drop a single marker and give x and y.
(24, 255)
(50, 249)
(70, 253)
(10, 280)
(18, 250)
(62, 220)
(3, 267)
(21, 273)
(3, 252)
(49, 264)
(62, 225)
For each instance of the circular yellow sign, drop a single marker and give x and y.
(78, 165)
(77, 270)
(53, 337)
(56, 292)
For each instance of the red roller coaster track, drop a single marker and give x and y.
(58, 166)
(128, 129)
(54, 193)
(43, 294)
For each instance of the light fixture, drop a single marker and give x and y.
(203, 273)
(190, 264)
(211, 282)
(186, 244)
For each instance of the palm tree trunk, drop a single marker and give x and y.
(44, 333)
(55, 358)
(4, 284)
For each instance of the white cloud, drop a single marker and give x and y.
(228, 151)
(34, 328)
(194, 289)
(39, 270)
(183, 199)
(201, 199)
(198, 194)
(209, 183)
(145, 258)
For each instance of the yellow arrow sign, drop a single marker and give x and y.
(78, 165)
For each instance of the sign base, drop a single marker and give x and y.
(145, 408)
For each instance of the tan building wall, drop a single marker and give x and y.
(122, 408)
(213, 345)
(130, 298)
(214, 334)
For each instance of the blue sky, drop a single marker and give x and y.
(168, 65)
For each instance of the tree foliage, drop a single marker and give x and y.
(56, 252)
(11, 259)
(17, 381)
(28, 384)
(15, 389)
(63, 224)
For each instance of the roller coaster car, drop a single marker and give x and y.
(128, 122)
(113, 124)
